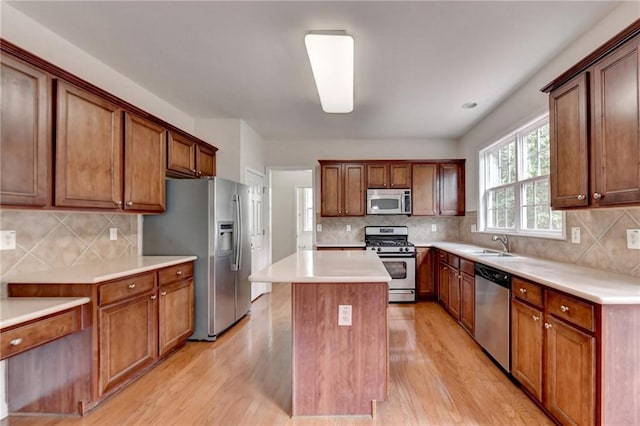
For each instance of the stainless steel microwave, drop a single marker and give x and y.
(388, 201)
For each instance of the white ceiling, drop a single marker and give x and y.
(416, 62)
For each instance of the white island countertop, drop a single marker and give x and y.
(97, 272)
(18, 310)
(313, 266)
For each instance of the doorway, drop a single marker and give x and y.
(257, 231)
(304, 214)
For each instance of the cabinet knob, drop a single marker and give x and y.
(119, 203)
(535, 317)
(346, 211)
(178, 272)
(16, 342)
(199, 172)
(547, 325)
(129, 203)
(523, 290)
(163, 293)
(597, 195)
(564, 308)
(581, 197)
(153, 297)
(132, 286)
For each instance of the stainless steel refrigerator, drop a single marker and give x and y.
(207, 218)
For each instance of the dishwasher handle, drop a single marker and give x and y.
(494, 275)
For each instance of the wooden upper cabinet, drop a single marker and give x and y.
(144, 165)
(331, 190)
(24, 134)
(616, 126)
(181, 154)
(205, 161)
(451, 191)
(389, 175)
(88, 150)
(568, 124)
(354, 188)
(424, 189)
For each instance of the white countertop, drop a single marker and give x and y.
(590, 284)
(312, 266)
(105, 270)
(346, 245)
(17, 310)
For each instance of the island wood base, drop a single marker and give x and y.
(339, 370)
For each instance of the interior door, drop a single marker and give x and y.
(304, 215)
(257, 230)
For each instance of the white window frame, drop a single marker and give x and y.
(518, 186)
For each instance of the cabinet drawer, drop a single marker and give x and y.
(467, 266)
(174, 273)
(453, 260)
(17, 340)
(527, 291)
(125, 288)
(442, 256)
(571, 309)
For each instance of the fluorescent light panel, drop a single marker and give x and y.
(331, 58)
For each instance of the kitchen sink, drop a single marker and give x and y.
(491, 253)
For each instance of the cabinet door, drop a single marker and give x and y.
(616, 120)
(175, 320)
(467, 301)
(128, 339)
(568, 125)
(443, 285)
(424, 273)
(454, 293)
(331, 190)
(526, 347)
(144, 165)
(24, 134)
(206, 161)
(569, 373)
(451, 176)
(354, 198)
(424, 191)
(181, 155)
(88, 150)
(377, 176)
(399, 176)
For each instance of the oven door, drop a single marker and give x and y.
(402, 286)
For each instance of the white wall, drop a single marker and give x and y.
(527, 102)
(252, 149)
(283, 220)
(28, 34)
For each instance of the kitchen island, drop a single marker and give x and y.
(339, 330)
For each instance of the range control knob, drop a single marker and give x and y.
(379, 249)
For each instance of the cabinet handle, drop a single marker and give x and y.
(523, 290)
(178, 272)
(535, 317)
(132, 286)
(129, 203)
(163, 293)
(119, 203)
(193, 170)
(597, 195)
(547, 325)
(153, 297)
(199, 172)
(564, 308)
(346, 211)
(16, 342)
(581, 197)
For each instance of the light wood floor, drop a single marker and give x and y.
(438, 376)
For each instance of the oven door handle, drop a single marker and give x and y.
(396, 256)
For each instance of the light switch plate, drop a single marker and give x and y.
(7, 240)
(575, 235)
(113, 234)
(348, 228)
(633, 239)
(318, 227)
(344, 315)
(434, 227)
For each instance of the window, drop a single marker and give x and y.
(514, 184)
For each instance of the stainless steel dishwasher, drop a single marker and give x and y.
(492, 313)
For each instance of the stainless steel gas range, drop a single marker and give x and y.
(399, 257)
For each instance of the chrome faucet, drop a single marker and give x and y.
(504, 240)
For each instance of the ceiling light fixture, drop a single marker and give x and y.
(331, 58)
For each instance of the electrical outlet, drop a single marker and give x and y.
(318, 227)
(344, 315)
(474, 227)
(434, 228)
(7, 240)
(348, 228)
(113, 234)
(633, 239)
(575, 235)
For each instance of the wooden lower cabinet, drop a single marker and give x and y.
(443, 284)
(128, 339)
(467, 302)
(175, 323)
(526, 347)
(454, 293)
(424, 272)
(569, 373)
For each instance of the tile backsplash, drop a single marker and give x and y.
(603, 236)
(46, 240)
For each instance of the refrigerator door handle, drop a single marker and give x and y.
(236, 244)
(240, 231)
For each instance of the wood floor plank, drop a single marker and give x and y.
(438, 376)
